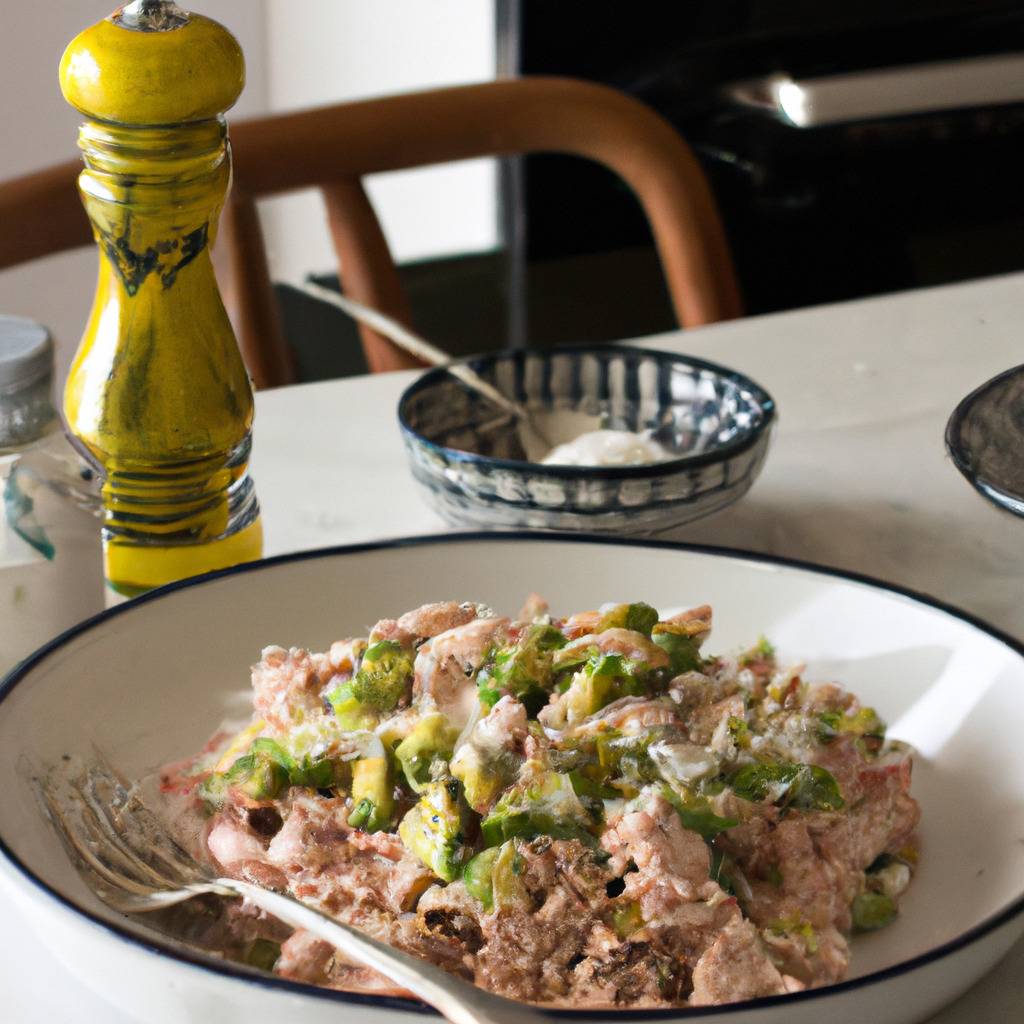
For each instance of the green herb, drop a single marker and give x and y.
(803, 786)
(696, 814)
(683, 652)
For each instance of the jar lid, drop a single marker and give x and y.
(26, 352)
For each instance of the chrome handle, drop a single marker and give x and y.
(885, 92)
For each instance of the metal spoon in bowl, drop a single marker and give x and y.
(416, 345)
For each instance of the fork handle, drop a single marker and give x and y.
(459, 1001)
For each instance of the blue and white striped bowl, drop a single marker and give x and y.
(716, 421)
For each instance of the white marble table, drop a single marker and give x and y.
(857, 478)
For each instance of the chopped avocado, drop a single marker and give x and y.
(383, 680)
(627, 918)
(639, 617)
(872, 910)
(434, 829)
(266, 770)
(261, 774)
(603, 679)
(484, 772)
(799, 927)
(523, 669)
(371, 782)
(864, 725)
(477, 876)
(426, 749)
(683, 652)
(804, 786)
(546, 805)
(507, 887)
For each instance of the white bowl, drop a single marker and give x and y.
(147, 682)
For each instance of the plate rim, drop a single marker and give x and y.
(234, 972)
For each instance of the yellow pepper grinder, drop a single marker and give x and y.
(157, 395)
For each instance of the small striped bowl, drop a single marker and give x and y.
(475, 473)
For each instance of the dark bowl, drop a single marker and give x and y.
(474, 471)
(985, 437)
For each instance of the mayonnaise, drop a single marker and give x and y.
(607, 448)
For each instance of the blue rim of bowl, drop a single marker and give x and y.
(719, 454)
(1003, 499)
(237, 972)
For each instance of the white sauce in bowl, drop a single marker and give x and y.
(607, 448)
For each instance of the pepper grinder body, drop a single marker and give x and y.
(157, 395)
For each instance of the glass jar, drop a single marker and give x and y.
(51, 563)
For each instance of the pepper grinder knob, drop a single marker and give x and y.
(152, 63)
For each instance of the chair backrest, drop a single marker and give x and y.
(334, 147)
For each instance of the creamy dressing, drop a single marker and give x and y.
(579, 440)
(607, 448)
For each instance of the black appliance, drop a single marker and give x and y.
(906, 171)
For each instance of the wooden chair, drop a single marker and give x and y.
(334, 147)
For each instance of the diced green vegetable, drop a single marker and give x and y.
(683, 652)
(426, 750)
(627, 918)
(261, 774)
(797, 926)
(587, 787)
(803, 786)
(603, 679)
(263, 954)
(547, 805)
(523, 669)
(864, 724)
(371, 784)
(507, 886)
(477, 876)
(433, 830)
(639, 617)
(696, 814)
(380, 684)
(872, 910)
(763, 650)
(361, 813)
(484, 772)
(627, 757)
(739, 731)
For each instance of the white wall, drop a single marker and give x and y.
(328, 51)
(298, 55)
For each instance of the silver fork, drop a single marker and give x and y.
(127, 857)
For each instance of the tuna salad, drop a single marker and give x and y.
(588, 811)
